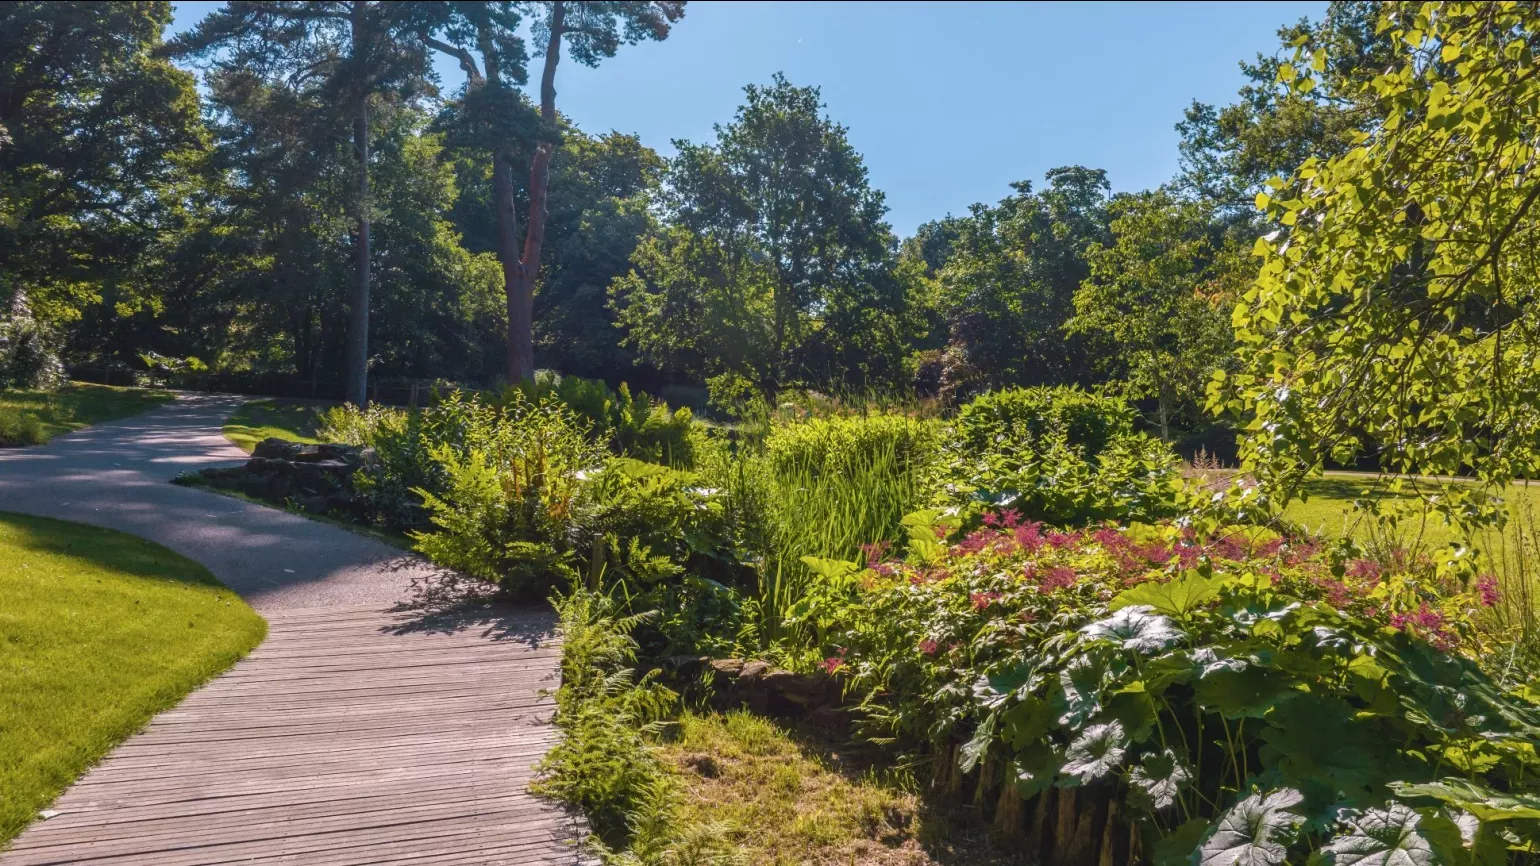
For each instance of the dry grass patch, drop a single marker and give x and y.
(785, 796)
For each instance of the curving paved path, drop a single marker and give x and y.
(389, 717)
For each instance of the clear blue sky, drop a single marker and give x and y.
(948, 102)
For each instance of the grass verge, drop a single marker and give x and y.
(783, 796)
(722, 788)
(282, 419)
(34, 417)
(99, 631)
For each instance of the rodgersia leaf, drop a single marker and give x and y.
(1081, 684)
(1096, 752)
(1137, 627)
(1256, 832)
(1381, 837)
(1157, 781)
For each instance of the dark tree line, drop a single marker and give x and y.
(325, 208)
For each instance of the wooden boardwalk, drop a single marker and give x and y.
(351, 736)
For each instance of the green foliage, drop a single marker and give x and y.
(1285, 696)
(98, 133)
(635, 425)
(1394, 312)
(831, 486)
(1060, 455)
(775, 263)
(603, 763)
(1010, 280)
(29, 358)
(1151, 304)
(503, 483)
(19, 429)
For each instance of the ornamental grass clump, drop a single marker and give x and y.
(1158, 693)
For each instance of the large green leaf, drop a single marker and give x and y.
(1096, 752)
(1315, 739)
(1175, 597)
(1473, 797)
(1137, 628)
(1157, 781)
(1256, 832)
(1381, 837)
(1249, 691)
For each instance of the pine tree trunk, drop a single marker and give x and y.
(521, 302)
(358, 299)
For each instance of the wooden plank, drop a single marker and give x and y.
(349, 737)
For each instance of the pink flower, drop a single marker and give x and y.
(1058, 577)
(973, 543)
(875, 552)
(832, 664)
(982, 600)
(1062, 539)
(1110, 538)
(928, 647)
(1030, 536)
(991, 519)
(1486, 585)
(1364, 569)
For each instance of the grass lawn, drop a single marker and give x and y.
(1329, 510)
(99, 631)
(284, 419)
(34, 417)
(786, 797)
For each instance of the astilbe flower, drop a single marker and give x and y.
(1058, 577)
(832, 664)
(928, 647)
(1063, 539)
(1029, 536)
(1428, 624)
(1364, 569)
(982, 600)
(973, 543)
(875, 552)
(1486, 589)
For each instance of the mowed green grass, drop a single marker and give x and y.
(73, 407)
(263, 419)
(99, 631)
(1329, 510)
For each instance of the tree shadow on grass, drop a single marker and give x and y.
(447, 602)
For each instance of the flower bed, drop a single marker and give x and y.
(1233, 693)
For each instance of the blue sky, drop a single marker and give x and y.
(948, 102)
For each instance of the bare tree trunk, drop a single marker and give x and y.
(358, 299)
(521, 301)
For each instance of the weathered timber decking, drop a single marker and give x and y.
(351, 736)
(389, 717)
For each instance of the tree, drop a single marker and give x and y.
(693, 308)
(1398, 305)
(1008, 287)
(782, 188)
(1151, 305)
(94, 128)
(592, 31)
(1228, 153)
(357, 52)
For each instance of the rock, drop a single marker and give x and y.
(727, 667)
(273, 448)
(312, 504)
(754, 670)
(686, 667)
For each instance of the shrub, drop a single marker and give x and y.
(831, 485)
(505, 489)
(20, 429)
(603, 763)
(657, 537)
(1221, 690)
(632, 425)
(401, 463)
(1059, 455)
(28, 358)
